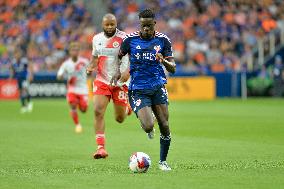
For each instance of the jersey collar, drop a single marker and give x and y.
(154, 36)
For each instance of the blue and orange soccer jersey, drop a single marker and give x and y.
(145, 70)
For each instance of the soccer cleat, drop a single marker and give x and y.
(163, 165)
(23, 110)
(78, 129)
(30, 107)
(151, 135)
(100, 153)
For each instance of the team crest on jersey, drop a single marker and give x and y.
(137, 55)
(157, 48)
(115, 44)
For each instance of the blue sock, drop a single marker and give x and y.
(28, 98)
(165, 142)
(23, 102)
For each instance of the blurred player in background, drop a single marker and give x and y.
(149, 51)
(74, 70)
(105, 50)
(21, 70)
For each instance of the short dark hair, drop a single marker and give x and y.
(147, 13)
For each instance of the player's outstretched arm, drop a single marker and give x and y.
(169, 63)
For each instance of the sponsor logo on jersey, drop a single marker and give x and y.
(145, 56)
(138, 47)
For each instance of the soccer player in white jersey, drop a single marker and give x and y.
(105, 52)
(74, 70)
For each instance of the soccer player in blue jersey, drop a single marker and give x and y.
(149, 51)
(21, 70)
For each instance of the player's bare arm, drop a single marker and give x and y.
(169, 63)
(93, 65)
(117, 74)
(59, 77)
(125, 76)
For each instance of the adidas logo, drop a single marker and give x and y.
(138, 47)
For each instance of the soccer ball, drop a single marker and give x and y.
(139, 162)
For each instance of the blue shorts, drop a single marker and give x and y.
(147, 97)
(23, 83)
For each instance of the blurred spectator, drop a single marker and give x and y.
(206, 35)
(262, 84)
(278, 77)
(219, 35)
(42, 30)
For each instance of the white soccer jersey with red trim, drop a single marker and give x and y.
(106, 49)
(75, 72)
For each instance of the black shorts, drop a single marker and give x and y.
(147, 97)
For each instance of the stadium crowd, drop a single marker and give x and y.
(206, 35)
(41, 31)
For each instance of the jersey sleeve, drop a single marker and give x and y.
(125, 63)
(94, 50)
(61, 70)
(125, 47)
(167, 51)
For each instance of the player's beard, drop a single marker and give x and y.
(109, 34)
(74, 58)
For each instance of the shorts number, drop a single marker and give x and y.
(122, 95)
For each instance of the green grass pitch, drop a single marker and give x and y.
(226, 143)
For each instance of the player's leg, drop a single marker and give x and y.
(160, 109)
(120, 112)
(22, 96)
(26, 85)
(120, 102)
(141, 105)
(100, 105)
(102, 94)
(23, 101)
(83, 103)
(146, 119)
(162, 115)
(73, 102)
